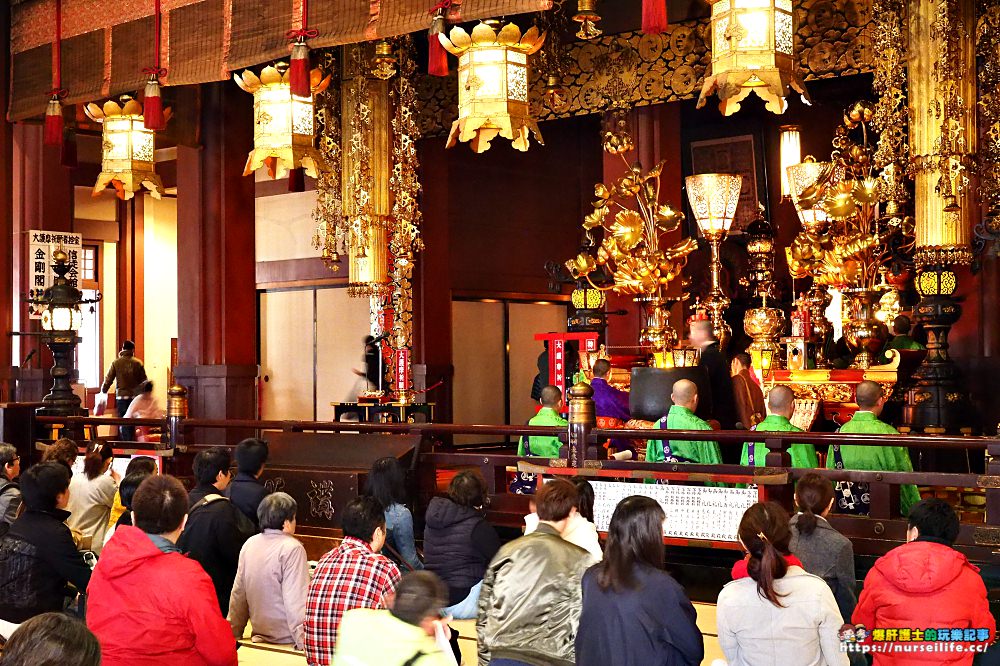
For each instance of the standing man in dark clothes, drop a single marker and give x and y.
(37, 556)
(128, 374)
(215, 529)
(246, 491)
(715, 362)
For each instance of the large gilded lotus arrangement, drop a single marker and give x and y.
(284, 131)
(127, 148)
(633, 221)
(493, 84)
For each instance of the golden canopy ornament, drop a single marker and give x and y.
(127, 148)
(493, 84)
(284, 131)
(752, 51)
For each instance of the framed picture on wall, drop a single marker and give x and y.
(733, 154)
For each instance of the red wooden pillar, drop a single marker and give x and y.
(216, 288)
(7, 303)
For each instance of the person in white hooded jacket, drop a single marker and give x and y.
(580, 530)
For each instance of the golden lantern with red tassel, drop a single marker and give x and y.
(284, 129)
(53, 133)
(437, 57)
(127, 148)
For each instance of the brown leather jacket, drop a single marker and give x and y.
(127, 373)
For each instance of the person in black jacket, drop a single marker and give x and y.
(246, 491)
(715, 362)
(459, 543)
(216, 529)
(37, 556)
(634, 613)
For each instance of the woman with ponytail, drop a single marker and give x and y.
(91, 496)
(824, 551)
(634, 613)
(778, 613)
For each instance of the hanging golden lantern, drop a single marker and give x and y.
(752, 51)
(127, 148)
(283, 133)
(493, 85)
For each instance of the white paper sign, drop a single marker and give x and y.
(693, 512)
(41, 245)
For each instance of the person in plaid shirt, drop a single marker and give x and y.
(353, 575)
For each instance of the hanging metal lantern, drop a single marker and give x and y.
(752, 51)
(283, 134)
(493, 82)
(127, 148)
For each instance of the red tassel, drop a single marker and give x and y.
(437, 57)
(654, 16)
(152, 107)
(296, 181)
(298, 75)
(53, 134)
(68, 156)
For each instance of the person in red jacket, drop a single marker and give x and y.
(149, 604)
(926, 586)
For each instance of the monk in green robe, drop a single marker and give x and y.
(871, 399)
(548, 415)
(681, 417)
(781, 406)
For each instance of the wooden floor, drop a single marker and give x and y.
(268, 655)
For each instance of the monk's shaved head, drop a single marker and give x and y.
(781, 401)
(685, 393)
(868, 394)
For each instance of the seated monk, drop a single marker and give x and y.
(781, 404)
(681, 417)
(871, 399)
(611, 406)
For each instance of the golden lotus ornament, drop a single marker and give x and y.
(127, 148)
(493, 84)
(284, 130)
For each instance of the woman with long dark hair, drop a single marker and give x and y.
(778, 613)
(387, 483)
(823, 551)
(634, 613)
(91, 496)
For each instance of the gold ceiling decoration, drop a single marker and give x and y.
(587, 16)
(128, 148)
(753, 51)
(988, 50)
(834, 38)
(493, 75)
(284, 133)
(890, 119)
(331, 236)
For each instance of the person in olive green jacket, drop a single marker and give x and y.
(871, 399)
(781, 405)
(681, 416)
(548, 415)
(405, 634)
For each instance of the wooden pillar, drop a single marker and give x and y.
(216, 288)
(7, 302)
(130, 284)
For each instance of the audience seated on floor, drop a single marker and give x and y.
(272, 579)
(387, 483)
(822, 550)
(634, 612)
(149, 604)
(581, 529)
(777, 613)
(64, 451)
(91, 496)
(352, 575)
(52, 639)
(126, 491)
(412, 633)
(216, 529)
(926, 584)
(144, 465)
(10, 492)
(246, 491)
(37, 555)
(459, 543)
(531, 579)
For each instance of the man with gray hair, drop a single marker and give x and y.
(272, 578)
(10, 493)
